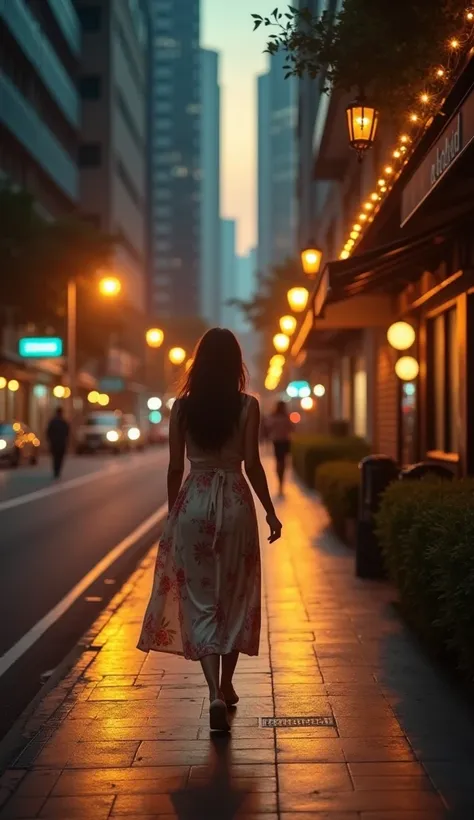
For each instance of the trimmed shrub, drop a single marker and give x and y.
(426, 530)
(311, 451)
(338, 483)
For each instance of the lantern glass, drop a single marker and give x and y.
(407, 368)
(298, 299)
(362, 121)
(401, 335)
(281, 342)
(311, 259)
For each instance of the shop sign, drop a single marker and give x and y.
(40, 347)
(452, 142)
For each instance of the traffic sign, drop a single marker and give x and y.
(40, 347)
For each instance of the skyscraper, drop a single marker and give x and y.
(113, 149)
(175, 151)
(228, 271)
(277, 164)
(210, 191)
(39, 102)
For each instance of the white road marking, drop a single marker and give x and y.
(37, 631)
(36, 495)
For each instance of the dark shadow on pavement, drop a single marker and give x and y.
(213, 798)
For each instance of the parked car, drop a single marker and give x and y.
(18, 443)
(102, 431)
(133, 435)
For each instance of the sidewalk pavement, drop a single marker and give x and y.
(382, 735)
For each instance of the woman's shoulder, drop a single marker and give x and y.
(249, 400)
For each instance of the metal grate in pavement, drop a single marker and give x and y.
(294, 722)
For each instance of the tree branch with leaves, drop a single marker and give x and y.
(385, 48)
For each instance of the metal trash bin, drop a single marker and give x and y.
(377, 472)
(425, 469)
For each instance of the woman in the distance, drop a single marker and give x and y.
(205, 602)
(280, 430)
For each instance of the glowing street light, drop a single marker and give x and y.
(288, 325)
(177, 355)
(281, 342)
(298, 299)
(93, 397)
(3, 382)
(154, 337)
(319, 391)
(307, 403)
(277, 360)
(13, 385)
(103, 399)
(407, 368)
(154, 403)
(110, 286)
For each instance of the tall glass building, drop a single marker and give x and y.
(39, 102)
(175, 154)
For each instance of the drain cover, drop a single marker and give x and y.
(289, 722)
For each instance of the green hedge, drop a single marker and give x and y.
(310, 451)
(426, 530)
(338, 483)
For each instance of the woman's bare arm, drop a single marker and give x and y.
(253, 465)
(176, 463)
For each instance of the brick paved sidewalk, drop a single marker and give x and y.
(127, 736)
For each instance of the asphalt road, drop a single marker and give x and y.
(51, 537)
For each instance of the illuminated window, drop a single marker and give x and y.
(443, 383)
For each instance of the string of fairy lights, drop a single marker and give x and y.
(419, 116)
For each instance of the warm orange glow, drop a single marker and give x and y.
(362, 123)
(368, 206)
(454, 43)
(59, 391)
(3, 382)
(277, 360)
(93, 397)
(357, 227)
(397, 154)
(363, 217)
(298, 299)
(354, 234)
(295, 418)
(388, 169)
(281, 342)
(414, 117)
(424, 98)
(311, 259)
(404, 138)
(344, 255)
(13, 385)
(307, 403)
(103, 399)
(271, 383)
(154, 337)
(401, 335)
(470, 16)
(374, 197)
(407, 368)
(440, 72)
(288, 325)
(188, 365)
(110, 286)
(177, 355)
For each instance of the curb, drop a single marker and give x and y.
(44, 714)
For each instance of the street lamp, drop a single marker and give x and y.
(288, 325)
(110, 286)
(362, 120)
(311, 257)
(177, 355)
(154, 337)
(281, 342)
(298, 299)
(407, 368)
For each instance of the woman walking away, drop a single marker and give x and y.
(280, 428)
(205, 602)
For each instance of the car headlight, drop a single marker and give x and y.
(3, 444)
(112, 435)
(134, 434)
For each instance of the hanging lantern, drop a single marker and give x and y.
(311, 257)
(298, 299)
(362, 120)
(401, 335)
(281, 342)
(407, 368)
(288, 325)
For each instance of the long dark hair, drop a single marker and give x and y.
(211, 397)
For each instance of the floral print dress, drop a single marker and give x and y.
(206, 591)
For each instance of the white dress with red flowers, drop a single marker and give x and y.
(206, 591)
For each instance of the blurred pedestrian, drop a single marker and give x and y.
(280, 429)
(205, 602)
(58, 437)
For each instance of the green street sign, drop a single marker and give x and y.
(40, 347)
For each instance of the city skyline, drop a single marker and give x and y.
(226, 31)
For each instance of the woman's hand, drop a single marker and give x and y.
(275, 527)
